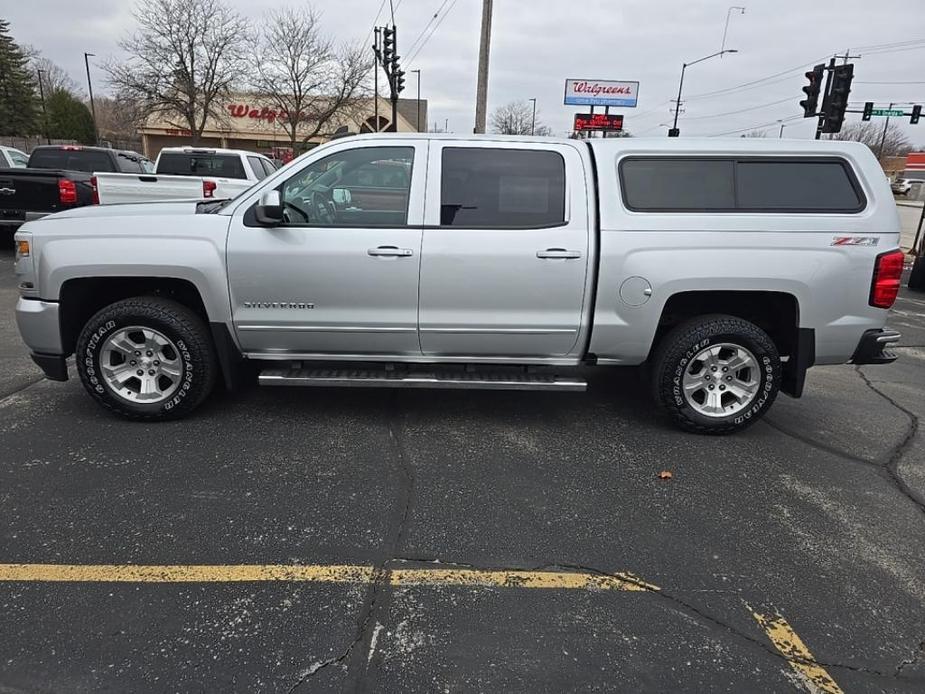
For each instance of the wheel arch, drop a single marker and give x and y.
(80, 298)
(775, 312)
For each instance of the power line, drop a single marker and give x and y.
(741, 110)
(426, 27)
(860, 82)
(757, 127)
(433, 31)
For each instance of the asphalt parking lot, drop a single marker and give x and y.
(288, 540)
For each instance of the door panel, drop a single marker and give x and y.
(503, 292)
(340, 288)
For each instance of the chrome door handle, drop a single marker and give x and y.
(558, 253)
(390, 251)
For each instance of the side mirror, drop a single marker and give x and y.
(341, 197)
(269, 211)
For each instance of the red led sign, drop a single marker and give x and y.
(598, 121)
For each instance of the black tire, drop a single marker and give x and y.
(174, 321)
(681, 344)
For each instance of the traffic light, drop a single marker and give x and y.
(836, 101)
(916, 112)
(811, 90)
(388, 46)
(399, 77)
(868, 110)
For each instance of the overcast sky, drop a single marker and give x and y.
(537, 44)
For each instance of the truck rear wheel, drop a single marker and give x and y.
(147, 358)
(716, 374)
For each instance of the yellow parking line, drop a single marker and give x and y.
(318, 573)
(791, 646)
(518, 579)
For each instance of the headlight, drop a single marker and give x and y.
(25, 264)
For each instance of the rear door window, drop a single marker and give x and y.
(257, 167)
(129, 163)
(17, 159)
(500, 188)
(201, 164)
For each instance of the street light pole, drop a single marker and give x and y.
(417, 123)
(44, 112)
(677, 107)
(533, 120)
(96, 132)
(782, 126)
(726, 28)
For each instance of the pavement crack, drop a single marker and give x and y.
(378, 606)
(892, 458)
(916, 656)
(701, 615)
(367, 615)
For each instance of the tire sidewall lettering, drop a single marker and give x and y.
(93, 351)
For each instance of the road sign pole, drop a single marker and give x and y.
(886, 126)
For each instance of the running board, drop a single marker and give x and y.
(423, 378)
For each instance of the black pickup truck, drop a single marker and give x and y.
(59, 177)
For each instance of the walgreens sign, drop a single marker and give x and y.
(600, 93)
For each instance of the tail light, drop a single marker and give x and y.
(208, 189)
(95, 191)
(888, 270)
(67, 191)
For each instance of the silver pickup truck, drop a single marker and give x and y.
(408, 260)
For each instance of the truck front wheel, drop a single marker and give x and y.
(716, 374)
(146, 358)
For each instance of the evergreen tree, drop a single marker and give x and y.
(18, 112)
(69, 118)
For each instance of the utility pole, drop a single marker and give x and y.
(417, 123)
(533, 120)
(377, 58)
(886, 127)
(44, 112)
(846, 56)
(781, 134)
(96, 132)
(481, 92)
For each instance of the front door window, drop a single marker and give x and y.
(363, 187)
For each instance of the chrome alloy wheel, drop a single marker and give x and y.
(721, 380)
(141, 365)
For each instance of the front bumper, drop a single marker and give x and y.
(872, 348)
(38, 324)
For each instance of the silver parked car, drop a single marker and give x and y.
(409, 260)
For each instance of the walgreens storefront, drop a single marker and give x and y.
(249, 125)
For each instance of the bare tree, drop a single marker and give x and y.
(183, 59)
(54, 77)
(516, 118)
(118, 117)
(871, 134)
(755, 133)
(308, 80)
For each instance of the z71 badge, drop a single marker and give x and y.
(855, 240)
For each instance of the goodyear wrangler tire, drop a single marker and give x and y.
(716, 374)
(147, 358)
